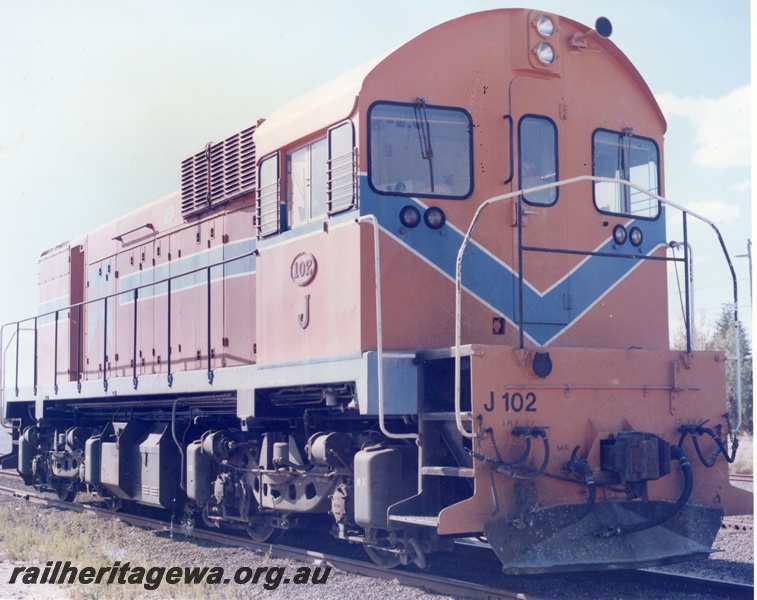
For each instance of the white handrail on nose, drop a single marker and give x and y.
(493, 199)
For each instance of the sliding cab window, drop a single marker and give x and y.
(321, 180)
(321, 177)
(269, 212)
(622, 155)
(420, 150)
(341, 172)
(537, 159)
(306, 183)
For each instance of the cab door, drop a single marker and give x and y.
(539, 123)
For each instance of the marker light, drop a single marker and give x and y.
(545, 54)
(545, 26)
(434, 217)
(410, 216)
(619, 234)
(636, 236)
(603, 27)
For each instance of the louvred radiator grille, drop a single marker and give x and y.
(223, 171)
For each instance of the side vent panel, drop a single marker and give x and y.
(223, 171)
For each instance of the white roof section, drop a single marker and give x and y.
(324, 106)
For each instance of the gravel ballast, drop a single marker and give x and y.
(31, 535)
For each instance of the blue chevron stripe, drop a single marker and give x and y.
(546, 314)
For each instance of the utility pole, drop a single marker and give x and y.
(748, 255)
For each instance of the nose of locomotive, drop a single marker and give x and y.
(632, 533)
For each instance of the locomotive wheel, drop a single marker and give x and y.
(382, 557)
(115, 504)
(207, 520)
(264, 533)
(65, 492)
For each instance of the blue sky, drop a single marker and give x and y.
(101, 101)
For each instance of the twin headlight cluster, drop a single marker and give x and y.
(620, 235)
(546, 28)
(434, 217)
(544, 51)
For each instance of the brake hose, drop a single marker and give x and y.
(499, 463)
(533, 473)
(721, 447)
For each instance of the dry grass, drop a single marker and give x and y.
(31, 536)
(744, 462)
(32, 533)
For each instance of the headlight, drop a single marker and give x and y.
(619, 234)
(410, 216)
(545, 54)
(545, 26)
(636, 236)
(434, 217)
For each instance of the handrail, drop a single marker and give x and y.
(580, 178)
(105, 346)
(120, 236)
(134, 291)
(379, 332)
(4, 348)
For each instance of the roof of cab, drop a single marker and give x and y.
(324, 106)
(336, 100)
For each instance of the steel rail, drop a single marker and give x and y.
(688, 583)
(737, 524)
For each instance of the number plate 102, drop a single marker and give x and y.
(512, 402)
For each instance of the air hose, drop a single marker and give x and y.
(499, 462)
(720, 448)
(506, 466)
(538, 432)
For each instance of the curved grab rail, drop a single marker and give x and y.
(580, 178)
(379, 331)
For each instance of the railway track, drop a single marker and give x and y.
(430, 582)
(671, 582)
(436, 584)
(737, 524)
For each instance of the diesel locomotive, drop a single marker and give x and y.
(424, 303)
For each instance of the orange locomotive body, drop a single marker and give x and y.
(426, 301)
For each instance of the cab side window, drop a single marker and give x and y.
(268, 209)
(342, 168)
(309, 183)
(306, 182)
